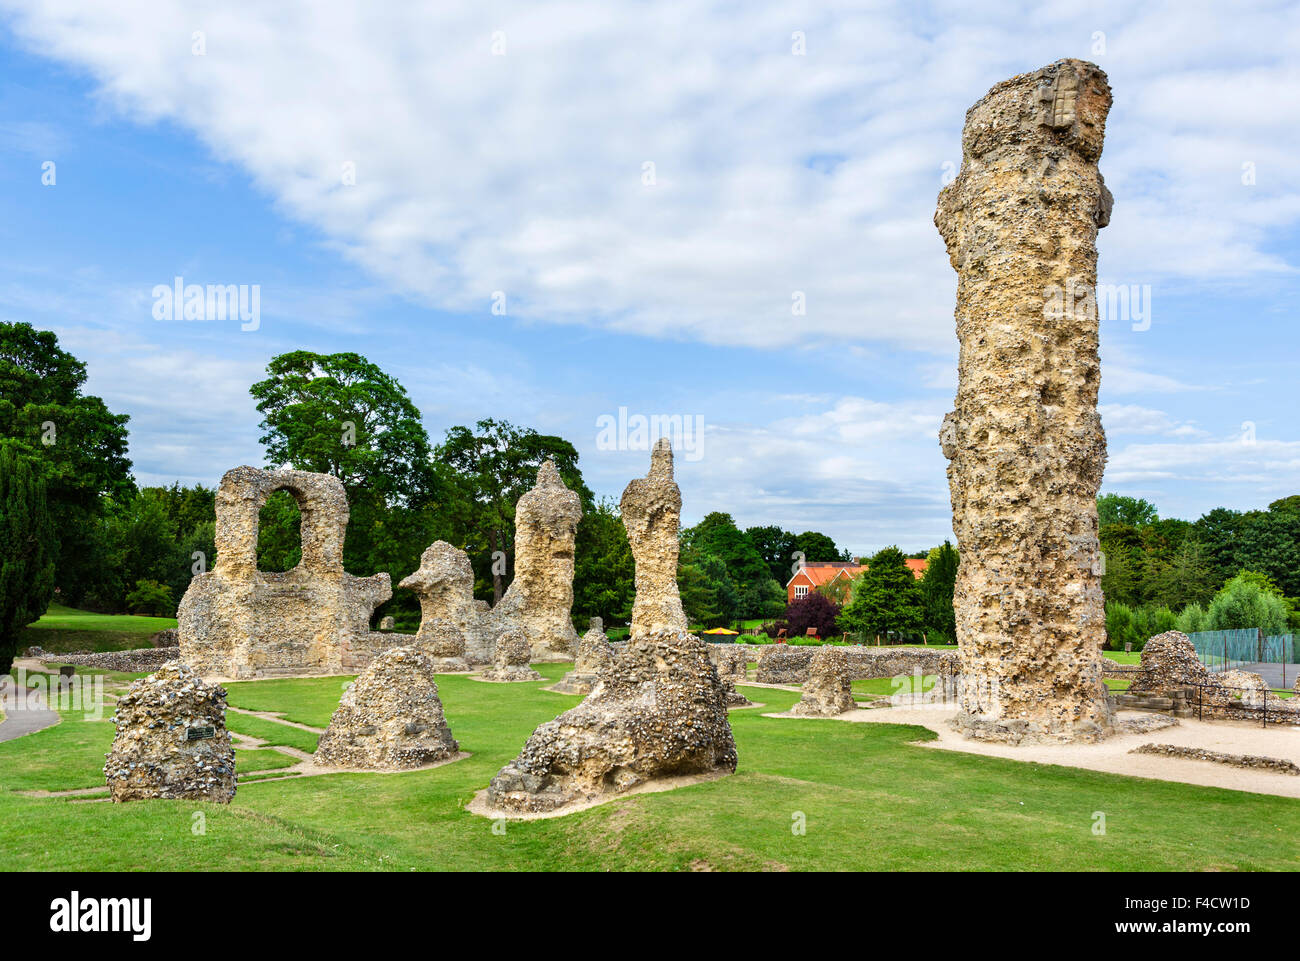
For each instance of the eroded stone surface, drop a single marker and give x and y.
(651, 507)
(444, 584)
(390, 718)
(512, 658)
(237, 621)
(657, 712)
(1024, 442)
(594, 656)
(539, 600)
(791, 663)
(171, 740)
(827, 691)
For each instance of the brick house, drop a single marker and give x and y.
(816, 573)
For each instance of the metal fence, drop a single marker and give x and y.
(1276, 655)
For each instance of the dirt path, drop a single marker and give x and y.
(1112, 755)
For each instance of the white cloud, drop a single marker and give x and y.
(1134, 419)
(774, 173)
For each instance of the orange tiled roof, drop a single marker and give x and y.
(819, 572)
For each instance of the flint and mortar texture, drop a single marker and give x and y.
(1025, 444)
(237, 621)
(656, 712)
(152, 754)
(511, 659)
(594, 655)
(540, 598)
(828, 690)
(391, 717)
(445, 586)
(651, 507)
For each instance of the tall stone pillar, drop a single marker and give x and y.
(652, 511)
(540, 598)
(1025, 444)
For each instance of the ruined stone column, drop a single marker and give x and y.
(540, 598)
(652, 509)
(1025, 444)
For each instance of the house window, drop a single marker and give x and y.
(800, 590)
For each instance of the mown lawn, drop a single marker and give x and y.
(866, 795)
(68, 629)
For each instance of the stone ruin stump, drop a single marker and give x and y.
(828, 691)
(511, 662)
(171, 740)
(657, 712)
(390, 718)
(594, 656)
(1024, 443)
(237, 621)
(652, 509)
(444, 584)
(445, 645)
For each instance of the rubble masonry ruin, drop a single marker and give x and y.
(1024, 442)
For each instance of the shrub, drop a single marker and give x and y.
(150, 597)
(1192, 619)
(1249, 600)
(812, 610)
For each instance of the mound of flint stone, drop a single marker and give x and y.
(1169, 664)
(171, 740)
(390, 718)
(658, 711)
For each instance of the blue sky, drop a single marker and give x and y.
(504, 147)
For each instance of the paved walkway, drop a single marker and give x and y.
(1277, 676)
(25, 712)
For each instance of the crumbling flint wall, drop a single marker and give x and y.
(237, 621)
(1024, 443)
(791, 663)
(538, 602)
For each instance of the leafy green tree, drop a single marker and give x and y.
(818, 547)
(747, 575)
(77, 445)
(1249, 600)
(604, 576)
(1187, 578)
(1119, 625)
(1269, 542)
(886, 598)
(1192, 619)
(704, 592)
(776, 547)
(340, 414)
(1119, 509)
(937, 589)
(27, 549)
(493, 465)
(279, 533)
(151, 597)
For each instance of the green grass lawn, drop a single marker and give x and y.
(67, 629)
(869, 796)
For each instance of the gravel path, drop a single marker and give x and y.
(1112, 755)
(25, 711)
